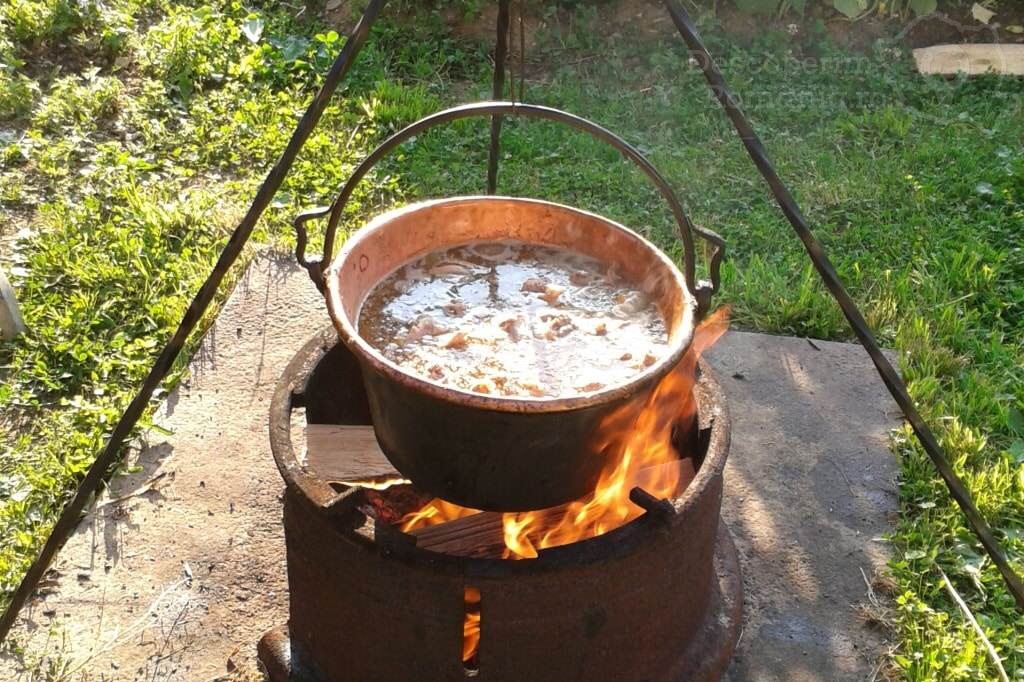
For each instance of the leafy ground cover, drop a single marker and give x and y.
(137, 130)
(135, 134)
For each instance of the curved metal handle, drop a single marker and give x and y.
(702, 291)
(315, 268)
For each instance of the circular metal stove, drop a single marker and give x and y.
(659, 598)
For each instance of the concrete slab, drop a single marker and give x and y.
(810, 491)
(174, 577)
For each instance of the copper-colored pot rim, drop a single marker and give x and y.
(680, 335)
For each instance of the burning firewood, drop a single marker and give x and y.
(483, 534)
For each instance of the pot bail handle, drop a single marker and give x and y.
(315, 268)
(702, 290)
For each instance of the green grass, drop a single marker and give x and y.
(131, 164)
(126, 169)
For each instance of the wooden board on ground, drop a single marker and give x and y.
(972, 59)
(346, 453)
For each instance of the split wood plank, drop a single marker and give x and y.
(479, 535)
(482, 534)
(972, 59)
(346, 454)
(11, 322)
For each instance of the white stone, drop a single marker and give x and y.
(11, 322)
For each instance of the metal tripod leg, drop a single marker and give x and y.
(827, 272)
(109, 456)
(500, 57)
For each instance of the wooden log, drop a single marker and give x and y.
(972, 59)
(482, 534)
(346, 454)
(11, 322)
(474, 524)
(478, 535)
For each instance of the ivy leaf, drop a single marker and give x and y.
(982, 13)
(292, 47)
(1017, 451)
(851, 8)
(922, 7)
(1016, 421)
(253, 29)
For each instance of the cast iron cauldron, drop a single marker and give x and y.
(496, 452)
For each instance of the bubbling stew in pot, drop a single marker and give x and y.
(514, 319)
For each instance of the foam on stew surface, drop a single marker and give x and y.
(515, 319)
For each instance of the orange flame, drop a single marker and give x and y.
(637, 438)
(435, 512)
(471, 625)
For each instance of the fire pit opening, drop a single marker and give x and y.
(471, 628)
(446, 528)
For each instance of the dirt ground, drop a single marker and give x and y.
(180, 568)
